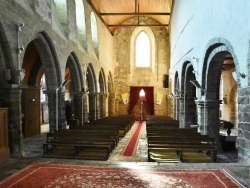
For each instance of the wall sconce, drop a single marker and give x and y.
(20, 26)
(196, 59)
(242, 75)
(20, 49)
(234, 74)
(196, 84)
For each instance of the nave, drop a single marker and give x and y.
(34, 151)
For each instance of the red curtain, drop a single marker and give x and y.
(149, 97)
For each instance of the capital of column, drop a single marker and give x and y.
(208, 102)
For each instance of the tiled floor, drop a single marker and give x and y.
(33, 153)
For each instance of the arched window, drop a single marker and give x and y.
(94, 32)
(142, 50)
(61, 12)
(80, 22)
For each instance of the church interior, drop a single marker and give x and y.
(156, 84)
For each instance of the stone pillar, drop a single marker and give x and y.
(52, 110)
(186, 112)
(190, 112)
(243, 139)
(85, 106)
(92, 107)
(208, 118)
(102, 100)
(112, 104)
(15, 122)
(98, 109)
(181, 113)
(78, 106)
(106, 105)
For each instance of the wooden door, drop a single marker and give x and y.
(31, 111)
(4, 146)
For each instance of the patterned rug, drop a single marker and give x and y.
(60, 176)
(131, 146)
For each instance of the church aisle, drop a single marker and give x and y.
(141, 152)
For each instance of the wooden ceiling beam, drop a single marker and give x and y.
(136, 25)
(97, 13)
(136, 14)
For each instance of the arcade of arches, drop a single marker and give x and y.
(197, 70)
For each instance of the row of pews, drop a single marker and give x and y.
(94, 141)
(169, 143)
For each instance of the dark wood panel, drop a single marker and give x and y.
(4, 146)
(31, 107)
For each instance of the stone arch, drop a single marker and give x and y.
(188, 92)
(92, 86)
(211, 74)
(111, 92)
(49, 59)
(176, 96)
(53, 76)
(76, 87)
(214, 46)
(5, 58)
(102, 96)
(76, 74)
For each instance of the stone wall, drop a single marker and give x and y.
(126, 74)
(56, 39)
(201, 37)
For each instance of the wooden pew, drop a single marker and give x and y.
(122, 122)
(64, 145)
(77, 151)
(167, 142)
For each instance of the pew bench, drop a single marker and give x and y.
(77, 151)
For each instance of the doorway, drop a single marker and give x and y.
(135, 101)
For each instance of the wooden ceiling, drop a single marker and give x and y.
(113, 13)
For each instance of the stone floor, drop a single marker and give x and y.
(33, 153)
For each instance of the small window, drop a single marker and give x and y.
(142, 50)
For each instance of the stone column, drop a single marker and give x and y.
(102, 104)
(181, 112)
(190, 113)
(187, 112)
(106, 104)
(92, 106)
(98, 109)
(211, 124)
(85, 107)
(111, 104)
(15, 124)
(77, 108)
(52, 110)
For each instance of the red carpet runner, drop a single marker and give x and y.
(56, 175)
(132, 143)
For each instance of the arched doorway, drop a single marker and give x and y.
(31, 75)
